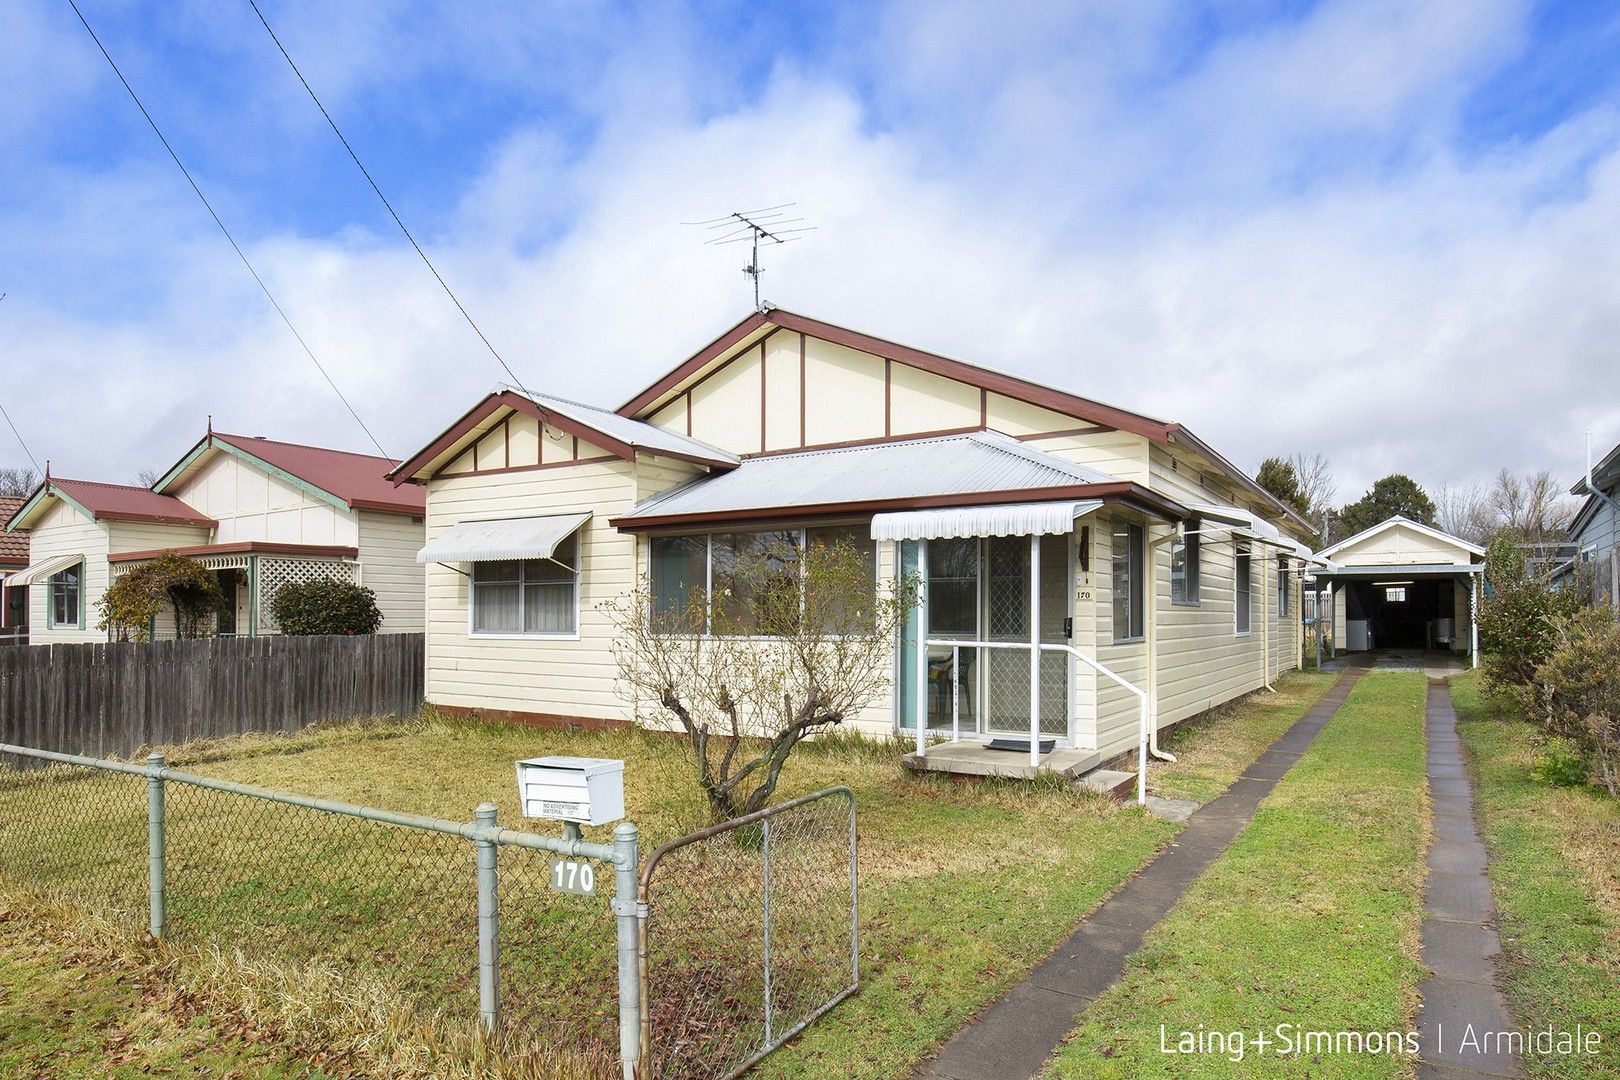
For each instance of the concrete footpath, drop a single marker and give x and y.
(1461, 1002)
(1013, 1038)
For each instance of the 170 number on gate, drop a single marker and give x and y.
(573, 877)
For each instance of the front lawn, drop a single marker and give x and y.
(964, 887)
(1555, 872)
(1311, 917)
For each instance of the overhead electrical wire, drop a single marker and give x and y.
(388, 205)
(217, 221)
(20, 441)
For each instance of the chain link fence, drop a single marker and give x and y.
(359, 894)
(749, 934)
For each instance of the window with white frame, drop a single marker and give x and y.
(537, 597)
(725, 566)
(1185, 555)
(67, 597)
(1282, 587)
(1396, 595)
(1128, 544)
(1242, 587)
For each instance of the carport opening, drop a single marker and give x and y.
(1405, 613)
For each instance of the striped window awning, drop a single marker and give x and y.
(1011, 519)
(506, 538)
(40, 571)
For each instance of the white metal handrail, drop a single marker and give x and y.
(956, 645)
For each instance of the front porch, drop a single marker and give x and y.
(986, 759)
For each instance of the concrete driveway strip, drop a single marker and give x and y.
(1015, 1035)
(1462, 1006)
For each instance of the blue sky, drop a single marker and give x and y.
(1381, 230)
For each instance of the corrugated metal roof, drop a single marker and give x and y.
(361, 480)
(505, 538)
(636, 433)
(126, 502)
(971, 463)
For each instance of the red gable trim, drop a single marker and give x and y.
(1120, 492)
(993, 381)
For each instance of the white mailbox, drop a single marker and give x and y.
(586, 791)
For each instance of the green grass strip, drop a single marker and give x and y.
(1310, 918)
(1555, 872)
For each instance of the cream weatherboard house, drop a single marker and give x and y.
(1054, 534)
(258, 512)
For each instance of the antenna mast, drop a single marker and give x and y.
(770, 224)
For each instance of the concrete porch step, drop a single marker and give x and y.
(977, 759)
(1110, 782)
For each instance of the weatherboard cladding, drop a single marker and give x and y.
(969, 463)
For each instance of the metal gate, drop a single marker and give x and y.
(749, 933)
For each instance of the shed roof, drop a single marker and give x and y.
(13, 545)
(968, 469)
(1400, 521)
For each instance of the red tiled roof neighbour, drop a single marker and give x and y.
(360, 480)
(13, 545)
(125, 502)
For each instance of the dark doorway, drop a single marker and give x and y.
(1405, 613)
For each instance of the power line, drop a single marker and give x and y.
(234, 245)
(20, 441)
(390, 206)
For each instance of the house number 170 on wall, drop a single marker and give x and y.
(573, 877)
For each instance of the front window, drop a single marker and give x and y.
(67, 601)
(1127, 558)
(1185, 552)
(734, 570)
(528, 596)
(1242, 587)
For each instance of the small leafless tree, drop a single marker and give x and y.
(147, 477)
(1466, 513)
(1315, 478)
(18, 480)
(1534, 506)
(791, 643)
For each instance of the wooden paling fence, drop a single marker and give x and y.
(110, 700)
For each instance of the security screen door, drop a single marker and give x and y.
(978, 590)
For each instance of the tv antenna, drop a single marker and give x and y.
(770, 224)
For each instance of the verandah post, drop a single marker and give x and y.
(920, 703)
(1034, 650)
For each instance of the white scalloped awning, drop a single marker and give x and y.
(42, 570)
(507, 538)
(1011, 519)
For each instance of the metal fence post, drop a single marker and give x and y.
(765, 877)
(489, 923)
(156, 843)
(628, 913)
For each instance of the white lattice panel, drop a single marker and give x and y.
(275, 573)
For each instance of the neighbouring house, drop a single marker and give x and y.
(1594, 532)
(1404, 585)
(260, 513)
(1039, 521)
(13, 561)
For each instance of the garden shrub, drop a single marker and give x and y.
(185, 586)
(1560, 764)
(325, 606)
(1577, 688)
(1516, 622)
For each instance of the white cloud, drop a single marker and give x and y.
(1156, 249)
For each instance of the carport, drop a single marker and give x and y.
(1408, 586)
